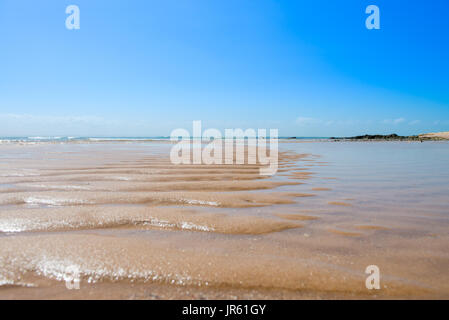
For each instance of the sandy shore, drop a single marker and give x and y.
(137, 226)
(441, 135)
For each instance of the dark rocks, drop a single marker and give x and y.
(380, 137)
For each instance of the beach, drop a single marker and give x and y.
(136, 226)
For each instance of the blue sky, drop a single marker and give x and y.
(144, 68)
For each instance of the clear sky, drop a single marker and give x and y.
(144, 68)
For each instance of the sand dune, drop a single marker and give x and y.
(442, 135)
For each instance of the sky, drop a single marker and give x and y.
(145, 68)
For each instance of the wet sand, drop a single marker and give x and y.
(138, 227)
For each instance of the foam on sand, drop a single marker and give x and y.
(79, 218)
(102, 259)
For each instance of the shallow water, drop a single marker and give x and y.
(132, 223)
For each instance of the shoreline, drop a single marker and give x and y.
(439, 136)
(363, 138)
(435, 136)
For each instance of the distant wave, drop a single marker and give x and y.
(44, 138)
(64, 139)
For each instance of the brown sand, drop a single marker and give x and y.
(339, 203)
(367, 227)
(98, 217)
(138, 227)
(345, 233)
(296, 217)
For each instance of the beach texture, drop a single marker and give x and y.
(135, 226)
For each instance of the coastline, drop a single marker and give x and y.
(438, 136)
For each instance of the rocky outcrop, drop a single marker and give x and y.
(395, 137)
